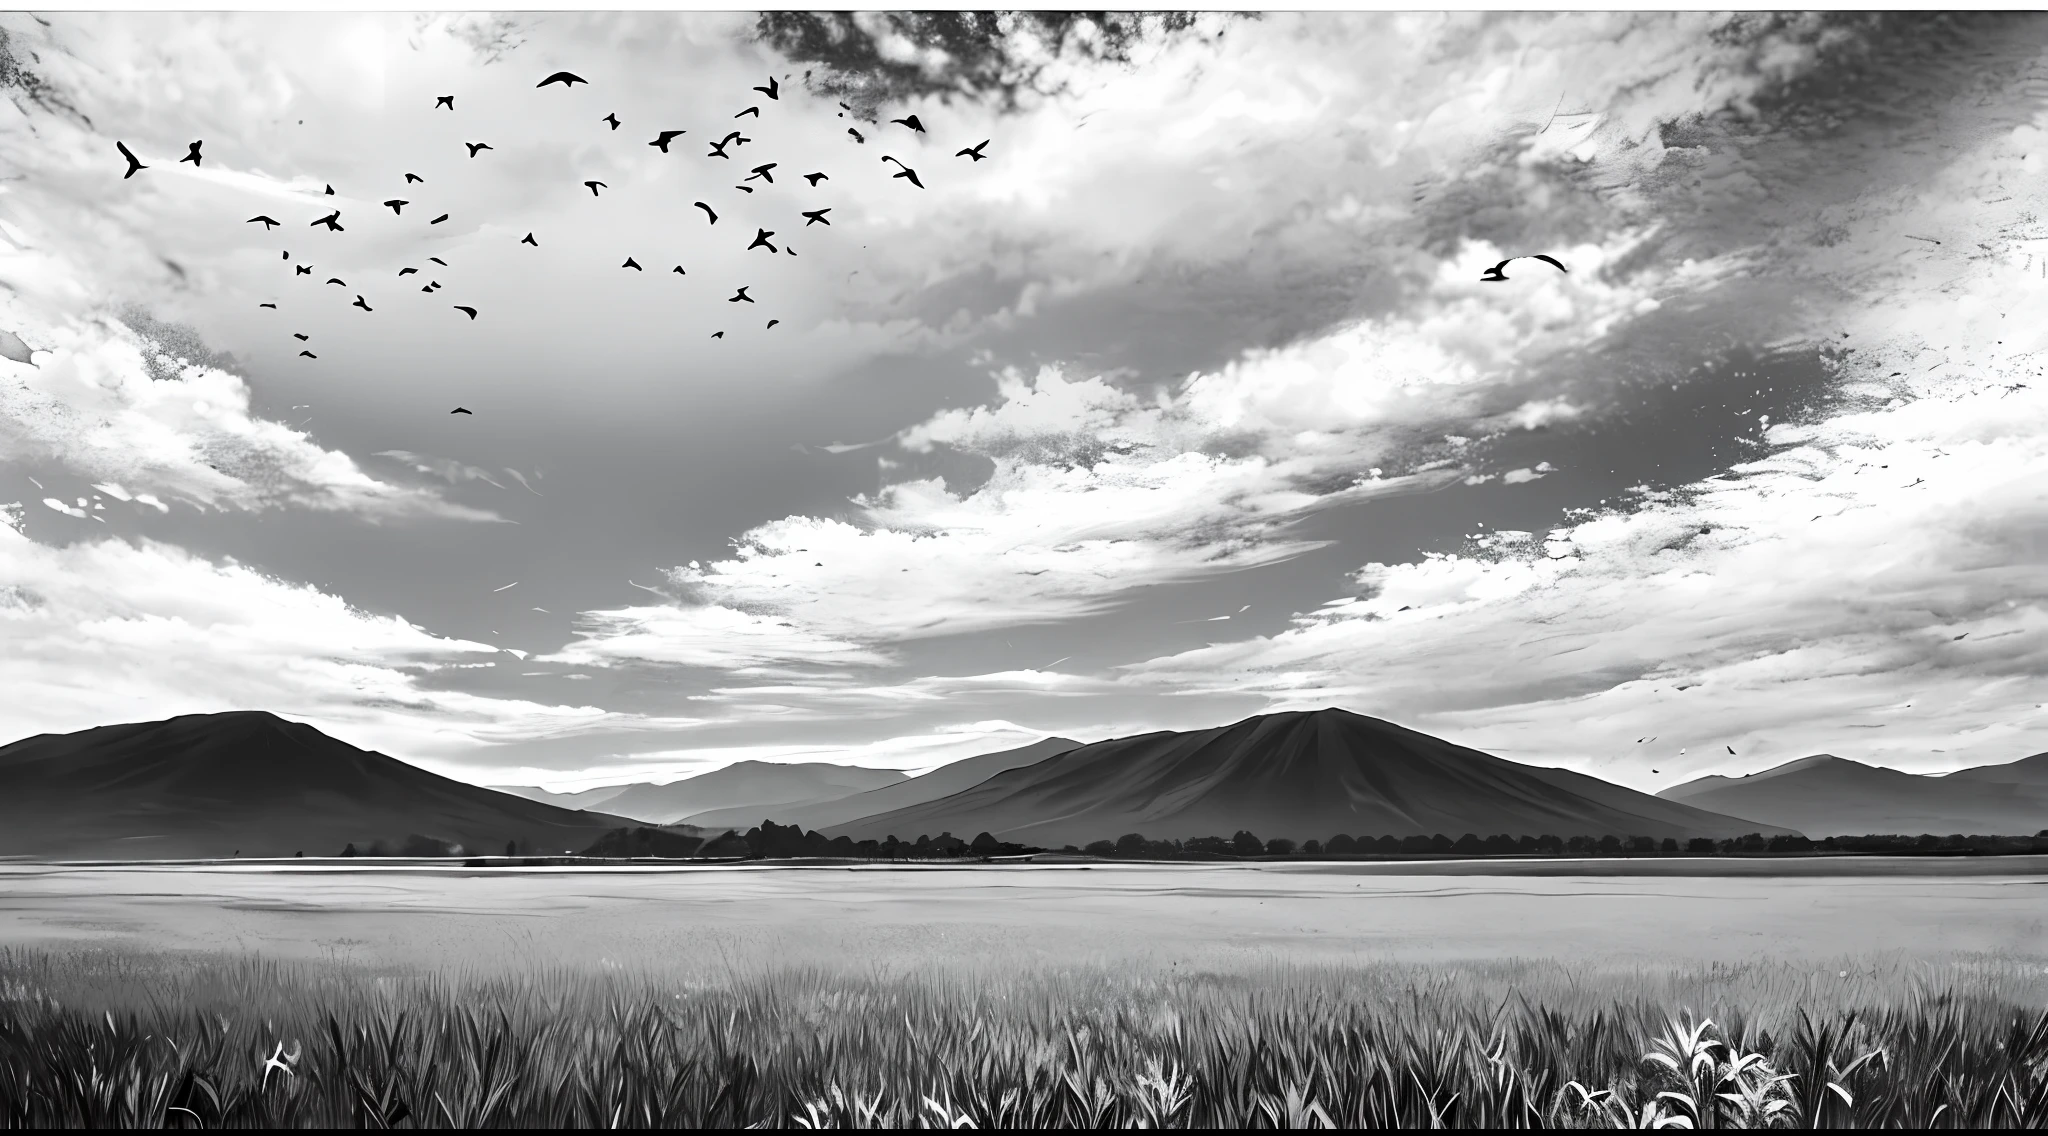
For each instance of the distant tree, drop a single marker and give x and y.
(349, 851)
(1100, 848)
(1279, 846)
(1416, 845)
(869, 848)
(1131, 844)
(1498, 845)
(1441, 843)
(1388, 845)
(1468, 845)
(1642, 845)
(1341, 845)
(1069, 848)
(1551, 843)
(1312, 848)
(1610, 845)
(1579, 845)
(1209, 845)
(1670, 845)
(1245, 844)
(1700, 846)
(511, 848)
(984, 844)
(842, 845)
(1526, 844)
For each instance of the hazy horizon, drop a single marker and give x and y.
(1187, 404)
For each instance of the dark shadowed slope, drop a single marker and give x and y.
(749, 785)
(1825, 795)
(582, 799)
(204, 785)
(2031, 771)
(1299, 775)
(941, 782)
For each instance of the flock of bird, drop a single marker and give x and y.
(724, 148)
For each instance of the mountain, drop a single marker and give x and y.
(1301, 775)
(582, 799)
(750, 785)
(1825, 795)
(206, 785)
(941, 782)
(2026, 771)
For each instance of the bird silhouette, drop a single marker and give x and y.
(816, 217)
(666, 137)
(974, 152)
(360, 303)
(814, 179)
(1731, 751)
(439, 261)
(755, 111)
(444, 101)
(134, 163)
(466, 309)
(411, 178)
(761, 172)
(475, 146)
(304, 269)
(268, 222)
(397, 206)
(272, 306)
(594, 186)
(458, 410)
(407, 271)
(330, 190)
(564, 78)
(332, 221)
(772, 90)
(790, 249)
(718, 335)
(192, 153)
(744, 188)
(438, 220)
(904, 171)
(429, 289)
(308, 355)
(761, 238)
(301, 336)
(740, 296)
(856, 134)
(337, 280)
(611, 118)
(632, 264)
(911, 122)
(707, 211)
(528, 240)
(1497, 273)
(678, 270)
(771, 323)
(287, 254)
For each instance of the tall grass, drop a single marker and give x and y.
(109, 1040)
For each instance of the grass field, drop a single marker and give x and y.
(113, 1039)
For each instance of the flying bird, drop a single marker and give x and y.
(330, 190)
(1731, 751)
(707, 211)
(755, 111)
(397, 206)
(904, 171)
(816, 217)
(308, 355)
(271, 306)
(267, 221)
(438, 220)
(411, 178)
(466, 309)
(911, 122)
(666, 137)
(772, 90)
(304, 269)
(678, 270)
(771, 323)
(761, 172)
(856, 134)
(134, 163)
(974, 152)
(1497, 273)
(439, 261)
(287, 254)
(761, 238)
(718, 335)
(632, 264)
(814, 179)
(744, 188)
(301, 337)
(332, 221)
(564, 78)
(475, 146)
(739, 296)
(192, 153)
(337, 280)
(360, 304)
(458, 410)
(407, 271)
(444, 101)
(611, 118)
(594, 185)
(528, 240)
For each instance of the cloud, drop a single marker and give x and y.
(453, 472)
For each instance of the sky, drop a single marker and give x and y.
(1188, 403)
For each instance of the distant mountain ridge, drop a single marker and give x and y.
(1824, 795)
(207, 785)
(943, 781)
(1300, 775)
(750, 785)
(580, 799)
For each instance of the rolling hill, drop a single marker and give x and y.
(2026, 771)
(1825, 795)
(582, 799)
(941, 782)
(749, 785)
(206, 785)
(1301, 775)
